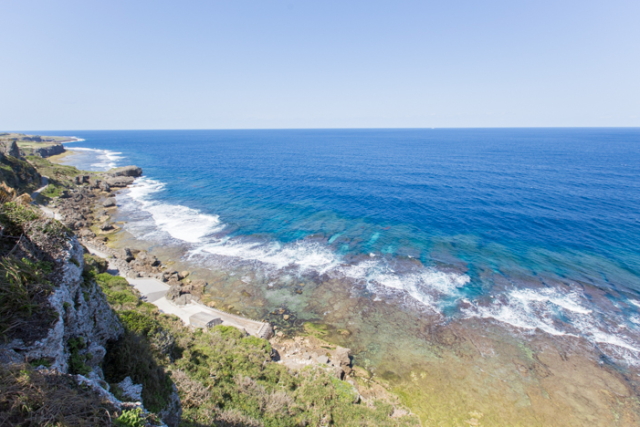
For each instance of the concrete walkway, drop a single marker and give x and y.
(154, 291)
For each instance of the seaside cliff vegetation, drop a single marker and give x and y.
(79, 347)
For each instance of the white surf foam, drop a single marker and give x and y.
(532, 309)
(72, 141)
(425, 285)
(105, 159)
(303, 255)
(181, 222)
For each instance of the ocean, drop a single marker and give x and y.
(535, 229)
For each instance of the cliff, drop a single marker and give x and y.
(81, 346)
(32, 145)
(55, 322)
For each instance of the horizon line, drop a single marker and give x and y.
(324, 128)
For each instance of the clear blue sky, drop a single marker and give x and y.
(138, 64)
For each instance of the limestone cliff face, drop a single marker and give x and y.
(49, 150)
(83, 314)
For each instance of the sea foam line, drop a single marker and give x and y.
(180, 222)
(106, 159)
(526, 309)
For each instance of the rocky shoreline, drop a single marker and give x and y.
(89, 208)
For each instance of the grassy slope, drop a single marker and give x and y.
(226, 377)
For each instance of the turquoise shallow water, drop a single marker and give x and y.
(537, 228)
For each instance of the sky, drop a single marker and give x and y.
(155, 64)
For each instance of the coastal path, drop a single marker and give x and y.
(154, 291)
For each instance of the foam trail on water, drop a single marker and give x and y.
(181, 222)
(423, 284)
(561, 313)
(106, 159)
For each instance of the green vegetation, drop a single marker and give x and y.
(78, 359)
(61, 177)
(18, 174)
(223, 376)
(14, 217)
(94, 263)
(52, 191)
(131, 418)
(316, 329)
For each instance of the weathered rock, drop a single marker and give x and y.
(106, 226)
(110, 202)
(126, 255)
(133, 171)
(173, 293)
(183, 275)
(82, 312)
(119, 181)
(49, 150)
(341, 359)
(322, 359)
(10, 149)
(197, 287)
(86, 233)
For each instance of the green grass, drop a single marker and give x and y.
(14, 217)
(52, 191)
(223, 376)
(19, 174)
(131, 418)
(61, 177)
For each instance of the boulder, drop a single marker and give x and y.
(126, 255)
(132, 171)
(86, 233)
(340, 358)
(119, 181)
(197, 287)
(173, 293)
(110, 202)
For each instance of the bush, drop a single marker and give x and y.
(131, 418)
(224, 377)
(95, 264)
(14, 217)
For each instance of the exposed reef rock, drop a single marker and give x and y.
(119, 181)
(133, 171)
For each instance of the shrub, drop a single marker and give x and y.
(77, 359)
(131, 418)
(14, 217)
(224, 377)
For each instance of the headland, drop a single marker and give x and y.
(104, 329)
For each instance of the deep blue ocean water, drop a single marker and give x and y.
(539, 228)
